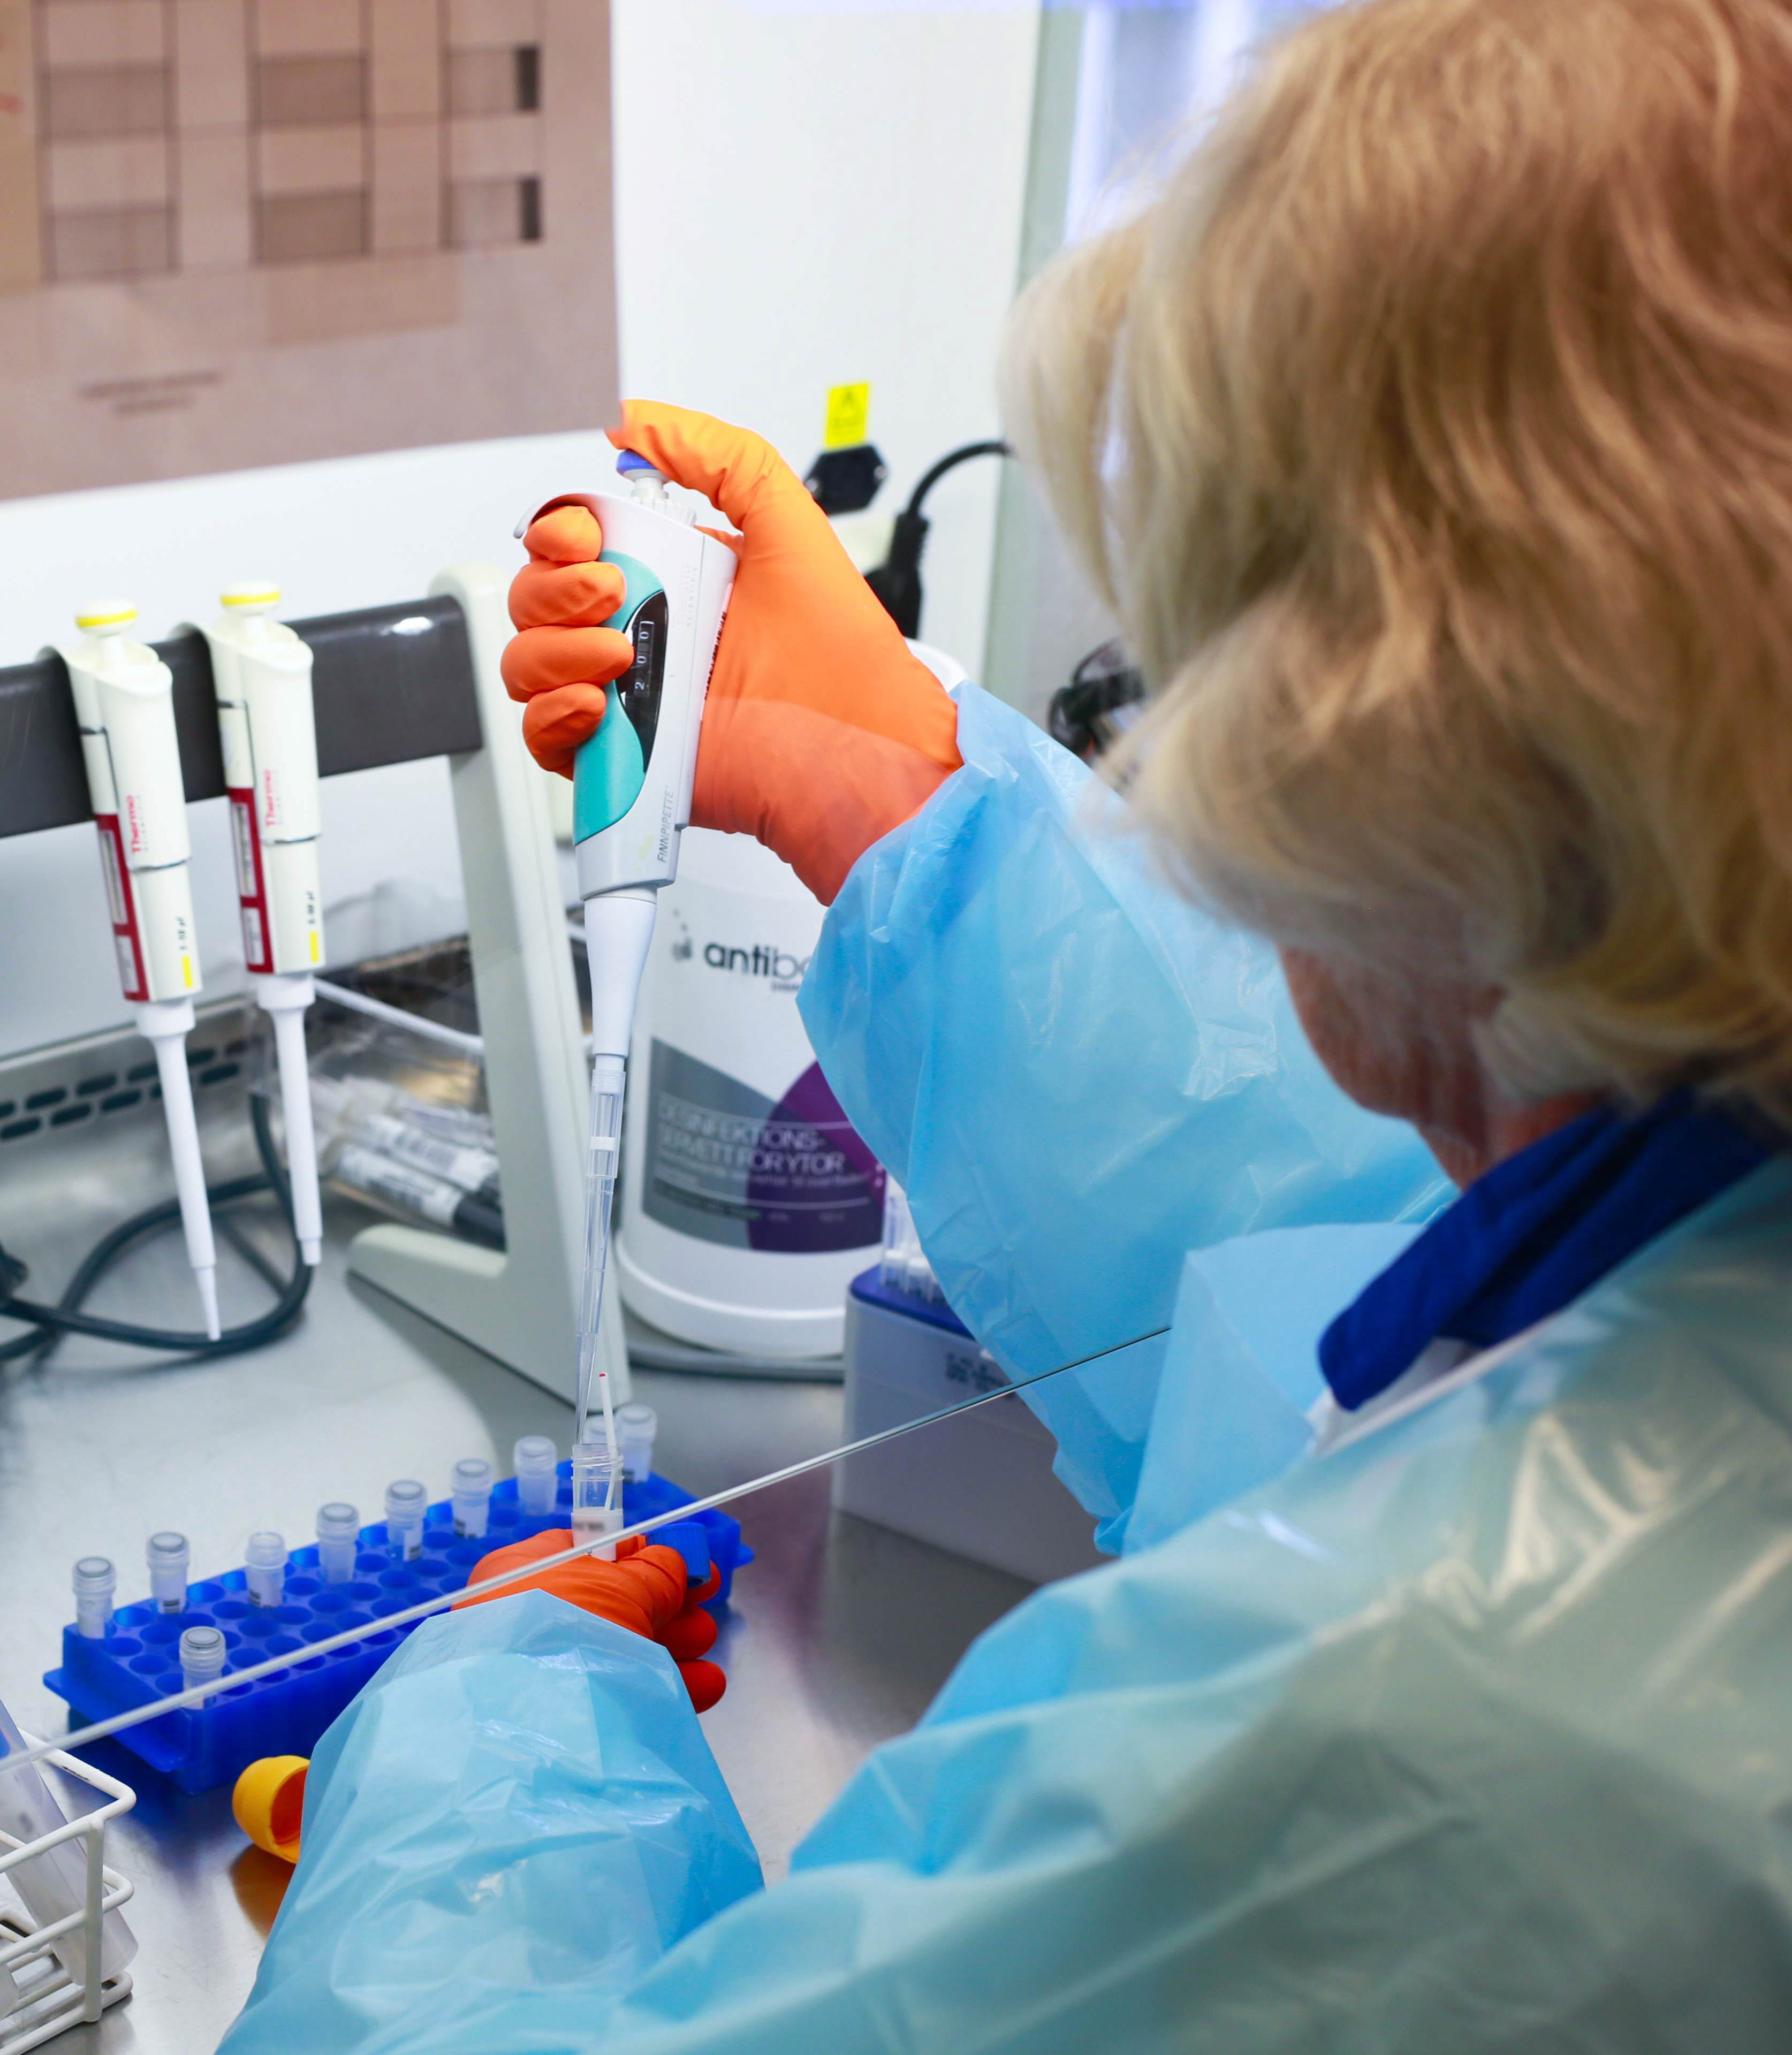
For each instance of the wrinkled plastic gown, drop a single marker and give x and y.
(1473, 1732)
(1076, 1076)
(1472, 1735)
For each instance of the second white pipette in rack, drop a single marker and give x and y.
(261, 673)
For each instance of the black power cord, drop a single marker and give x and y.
(896, 580)
(66, 1318)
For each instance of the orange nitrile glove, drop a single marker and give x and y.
(645, 1590)
(561, 660)
(821, 731)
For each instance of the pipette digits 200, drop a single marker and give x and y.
(261, 673)
(631, 800)
(123, 696)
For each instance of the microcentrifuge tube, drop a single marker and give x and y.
(168, 1557)
(95, 1582)
(592, 1512)
(338, 1531)
(202, 1657)
(264, 1562)
(538, 1484)
(406, 1503)
(637, 1423)
(470, 1489)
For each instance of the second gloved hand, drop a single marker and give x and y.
(822, 731)
(645, 1590)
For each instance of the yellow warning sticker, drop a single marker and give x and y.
(849, 414)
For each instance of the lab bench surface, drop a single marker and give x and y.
(841, 1632)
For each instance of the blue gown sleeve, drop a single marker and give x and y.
(520, 1800)
(1077, 1076)
(1431, 1742)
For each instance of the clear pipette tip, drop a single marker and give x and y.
(607, 1078)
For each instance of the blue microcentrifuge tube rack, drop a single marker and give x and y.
(287, 1712)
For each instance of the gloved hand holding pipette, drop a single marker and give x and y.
(821, 731)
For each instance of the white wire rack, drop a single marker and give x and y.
(38, 1998)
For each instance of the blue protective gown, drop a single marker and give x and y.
(1467, 1728)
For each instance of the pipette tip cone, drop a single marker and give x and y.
(311, 1248)
(206, 1280)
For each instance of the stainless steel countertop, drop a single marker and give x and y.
(841, 1632)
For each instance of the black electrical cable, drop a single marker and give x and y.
(950, 461)
(66, 1318)
(896, 580)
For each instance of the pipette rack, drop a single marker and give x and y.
(287, 1712)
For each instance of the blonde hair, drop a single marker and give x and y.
(1431, 435)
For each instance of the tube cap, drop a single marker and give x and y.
(100, 613)
(690, 1539)
(631, 461)
(269, 1801)
(251, 595)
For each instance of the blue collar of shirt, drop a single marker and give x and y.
(1535, 1233)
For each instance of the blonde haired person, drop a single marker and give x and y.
(1432, 434)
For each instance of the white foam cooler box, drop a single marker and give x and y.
(980, 1485)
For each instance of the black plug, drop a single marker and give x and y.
(896, 580)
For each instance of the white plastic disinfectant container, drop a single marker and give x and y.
(749, 1203)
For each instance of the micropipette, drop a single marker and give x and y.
(262, 673)
(124, 695)
(631, 800)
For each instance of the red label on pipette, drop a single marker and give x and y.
(251, 881)
(121, 904)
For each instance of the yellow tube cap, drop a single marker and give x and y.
(268, 1802)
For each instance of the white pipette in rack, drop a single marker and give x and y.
(124, 695)
(261, 672)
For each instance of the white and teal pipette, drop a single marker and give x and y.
(631, 801)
